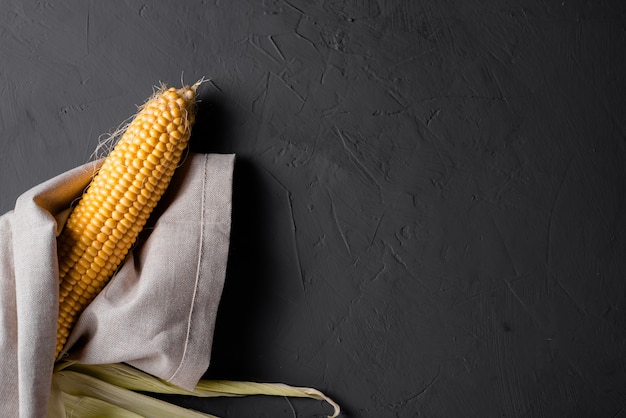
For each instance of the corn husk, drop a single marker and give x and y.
(112, 390)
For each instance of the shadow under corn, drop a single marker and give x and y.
(248, 305)
(245, 298)
(213, 130)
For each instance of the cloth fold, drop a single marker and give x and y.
(157, 313)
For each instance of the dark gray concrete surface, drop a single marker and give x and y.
(429, 205)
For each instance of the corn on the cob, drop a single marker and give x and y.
(109, 216)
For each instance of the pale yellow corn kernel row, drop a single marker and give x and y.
(105, 223)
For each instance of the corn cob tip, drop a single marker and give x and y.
(188, 92)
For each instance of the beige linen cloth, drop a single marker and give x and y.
(157, 313)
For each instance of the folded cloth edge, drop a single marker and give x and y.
(34, 229)
(210, 272)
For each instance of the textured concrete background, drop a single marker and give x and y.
(430, 207)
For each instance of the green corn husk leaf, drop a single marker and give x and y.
(127, 378)
(87, 407)
(74, 392)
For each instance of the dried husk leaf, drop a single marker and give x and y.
(83, 388)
